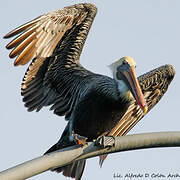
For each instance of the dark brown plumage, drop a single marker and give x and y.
(92, 103)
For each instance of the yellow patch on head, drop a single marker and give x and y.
(118, 63)
(128, 59)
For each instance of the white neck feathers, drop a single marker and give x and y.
(124, 90)
(122, 86)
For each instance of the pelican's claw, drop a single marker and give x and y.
(81, 140)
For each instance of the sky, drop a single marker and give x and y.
(146, 30)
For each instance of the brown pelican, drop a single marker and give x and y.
(94, 105)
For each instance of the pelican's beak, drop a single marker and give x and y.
(127, 73)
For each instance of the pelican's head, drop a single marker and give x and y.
(124, 73)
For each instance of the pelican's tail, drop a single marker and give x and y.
(73, 170)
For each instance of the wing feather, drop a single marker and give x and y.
(54, 41)
(21, 37)
(154, 84)
(47, 30)
(22, 28)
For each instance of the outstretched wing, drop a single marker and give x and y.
(54, 41)
(154, 84)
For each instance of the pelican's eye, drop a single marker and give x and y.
(124, 62)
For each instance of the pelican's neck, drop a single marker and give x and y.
(122, 86)
(124, 91)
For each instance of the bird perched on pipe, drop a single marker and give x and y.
(94, 105)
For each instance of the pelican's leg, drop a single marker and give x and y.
(80, 139)
(76, 137)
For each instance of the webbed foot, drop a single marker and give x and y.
(81, 140)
